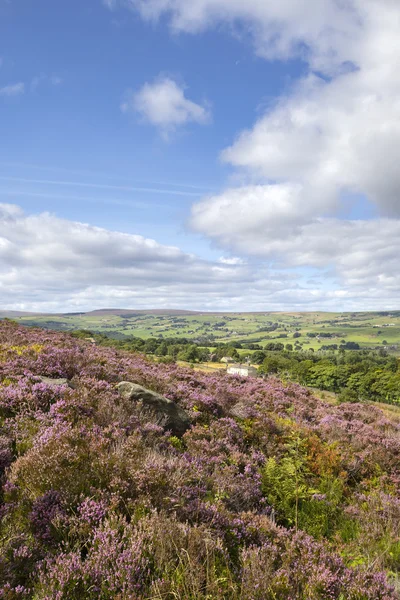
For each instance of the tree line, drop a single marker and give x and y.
(354, 375)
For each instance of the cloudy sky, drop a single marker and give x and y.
(202, 154)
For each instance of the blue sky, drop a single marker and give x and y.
(234, 132)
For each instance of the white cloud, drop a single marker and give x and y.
(163, 104)
(253, 213)
(364, 254)
(49, 263)
(323, 31)
(53, 264)
(13, 89)
(337, 137)
(267, 222)
(231, 260)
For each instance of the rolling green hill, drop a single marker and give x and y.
(308, 330)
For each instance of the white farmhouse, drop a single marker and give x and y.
(242, 370)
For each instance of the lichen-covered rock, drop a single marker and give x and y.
(169, 415)
(241, 411)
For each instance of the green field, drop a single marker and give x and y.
(368, 329)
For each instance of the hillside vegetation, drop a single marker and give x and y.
(272, 494)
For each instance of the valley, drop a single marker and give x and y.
(306, 330)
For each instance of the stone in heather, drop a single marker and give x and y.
(54, 382)
(241, 411)
(169, 415)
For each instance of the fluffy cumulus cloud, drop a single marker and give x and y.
(241, 217)
(163, 103)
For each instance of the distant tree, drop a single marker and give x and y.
(350, 346)
(275, 364)
(258, 357)
(151, 345)
(274, 347)
(190, 354)
(162, 349)
(236, 345)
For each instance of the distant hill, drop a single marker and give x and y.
(10, 314)
(128, 312)
(131, 312)
(99, 312)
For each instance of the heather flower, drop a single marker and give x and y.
(43, 514)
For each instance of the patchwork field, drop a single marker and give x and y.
(308, 330)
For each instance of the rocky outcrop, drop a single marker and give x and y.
(168, 415)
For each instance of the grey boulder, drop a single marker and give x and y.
(241, 411)
(168, 415)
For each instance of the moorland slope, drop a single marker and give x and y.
(271, 494)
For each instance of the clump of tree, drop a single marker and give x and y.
(354, 375)
(167, 349)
